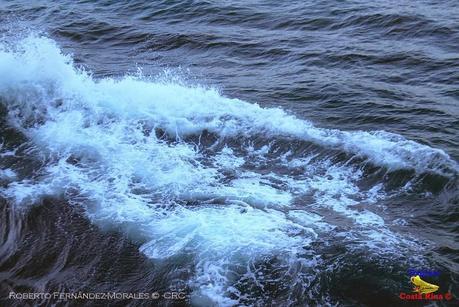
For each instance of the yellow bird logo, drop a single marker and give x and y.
(421, 286)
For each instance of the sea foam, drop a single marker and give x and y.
(98, 138)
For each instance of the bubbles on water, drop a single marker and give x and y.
(227, 206)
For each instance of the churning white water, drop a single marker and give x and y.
(227, 205)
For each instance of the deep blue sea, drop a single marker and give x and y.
(239, 153)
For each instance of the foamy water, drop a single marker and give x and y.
(192, 174)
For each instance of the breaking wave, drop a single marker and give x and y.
(227, 185)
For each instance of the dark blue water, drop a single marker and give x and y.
(257, 153)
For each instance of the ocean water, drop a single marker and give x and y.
(246, 154)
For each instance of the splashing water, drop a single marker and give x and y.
(195, 175)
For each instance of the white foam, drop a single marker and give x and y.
(7, 173)
(39, 65)
(99, 136)
(227, 160)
